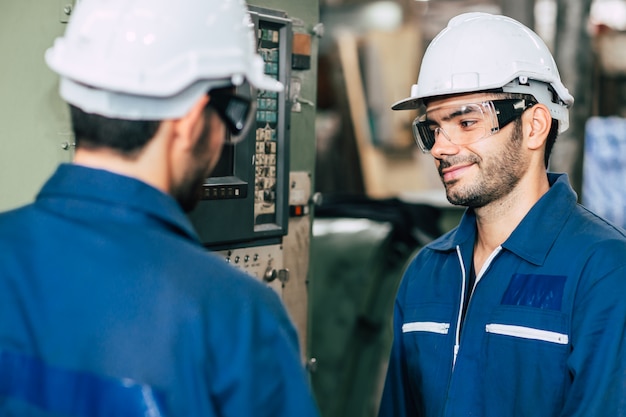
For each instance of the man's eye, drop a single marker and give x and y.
(466, 124)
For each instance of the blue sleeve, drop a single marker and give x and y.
(397, 400)
(597, 361)
(262, 374)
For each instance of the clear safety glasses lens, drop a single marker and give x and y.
(465, 124)
(236, 107)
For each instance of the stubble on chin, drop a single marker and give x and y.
(455, 192)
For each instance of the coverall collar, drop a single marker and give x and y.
(83, 183)
(536, 233)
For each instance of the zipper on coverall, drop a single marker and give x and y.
(457, 336)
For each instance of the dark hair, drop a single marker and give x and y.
(127, 137)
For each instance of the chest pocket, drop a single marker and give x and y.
(428, 318)
(526, 350)
(526, 347)
(427, 339)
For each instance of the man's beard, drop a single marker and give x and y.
(189, 192)
(497, 176)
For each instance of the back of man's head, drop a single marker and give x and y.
(151, 60)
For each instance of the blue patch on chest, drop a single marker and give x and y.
(539, 291)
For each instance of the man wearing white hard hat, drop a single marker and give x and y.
(109, 303)
(519, 310)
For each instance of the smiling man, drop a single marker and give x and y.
(520, 310)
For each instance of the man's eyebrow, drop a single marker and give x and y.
(461, 111)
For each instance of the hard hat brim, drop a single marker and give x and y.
(407, 104)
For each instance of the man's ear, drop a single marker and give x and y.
(188, 127)
(537, 127)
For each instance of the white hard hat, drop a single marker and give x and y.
(480, 51)
(153, 59)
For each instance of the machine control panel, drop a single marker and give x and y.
(244, 200)
(269, 125)
(264, 263)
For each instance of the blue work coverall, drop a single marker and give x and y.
(110, 306)
(544, 330)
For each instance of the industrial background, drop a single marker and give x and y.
(352, 197)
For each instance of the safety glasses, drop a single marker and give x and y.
(464, 124)
(236, 107)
